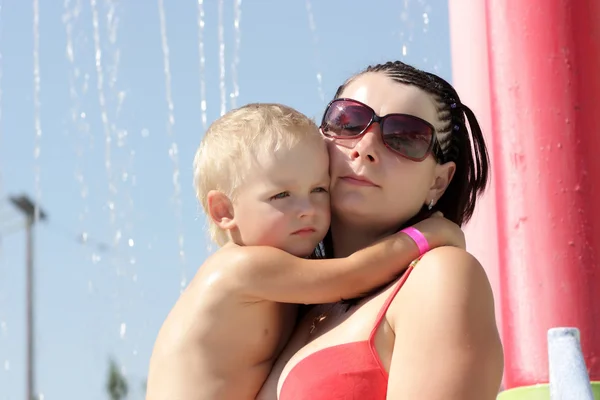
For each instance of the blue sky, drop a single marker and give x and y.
(93, 303)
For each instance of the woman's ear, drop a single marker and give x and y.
(220, 210)
(443, 175)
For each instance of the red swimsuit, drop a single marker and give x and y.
(349, 371)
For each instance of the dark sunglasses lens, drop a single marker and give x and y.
(408, 136)
(345, 118)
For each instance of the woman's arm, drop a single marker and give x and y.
(447, 344)
(271, 274)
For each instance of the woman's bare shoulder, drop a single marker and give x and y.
(445, 310)
(450, 278)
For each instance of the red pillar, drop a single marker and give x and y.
(544, 59)
(471, 78)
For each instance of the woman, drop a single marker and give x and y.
(399, 149)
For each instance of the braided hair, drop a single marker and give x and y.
(467, 151)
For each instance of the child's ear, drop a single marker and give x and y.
(220, 209)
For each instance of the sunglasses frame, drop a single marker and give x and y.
(433, 149)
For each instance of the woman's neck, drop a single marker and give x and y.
(349, 238)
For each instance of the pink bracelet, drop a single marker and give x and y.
(418, 238)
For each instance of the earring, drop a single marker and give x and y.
(430, 206)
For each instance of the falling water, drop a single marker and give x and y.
(78, 116)
(36, 104)
(173, 151)
(222, 59)
(202, 62)
(122, 166)
(104, 114)
(412, 12)
(313, 29)
(4, 363)
(30, 285)
(237, 15)
(1, 181)
(404, 22)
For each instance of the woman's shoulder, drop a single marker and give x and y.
(445, 310)
(448, 287)
(443, 276)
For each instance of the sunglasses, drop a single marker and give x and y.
(406, 135)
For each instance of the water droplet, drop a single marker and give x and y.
(404, 50)
(173, 150)
(82, 115)
(121, 137)
(135, 352)
(40, 396)
(130, 242)
(121, 97)
(145, 133)
(3, 328)
(124, 176)
(134, 278)
(123, 330)
(132, 261)
(96, 258)
(84, 237)
(6, 365)
(425, 18)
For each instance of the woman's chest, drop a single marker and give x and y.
(341, 339)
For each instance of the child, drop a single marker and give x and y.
(261, 174)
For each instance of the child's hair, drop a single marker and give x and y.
(234, 142)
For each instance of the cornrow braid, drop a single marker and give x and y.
(461, 145)
(466, 150)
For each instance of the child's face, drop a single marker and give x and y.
(285, 201)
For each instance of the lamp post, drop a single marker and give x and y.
(32, 214)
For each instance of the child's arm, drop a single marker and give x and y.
(272, 274)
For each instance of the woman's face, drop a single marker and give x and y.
(370, 184)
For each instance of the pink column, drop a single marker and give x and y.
(544, 59)
(470, 77)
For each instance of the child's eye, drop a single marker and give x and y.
(280, 196)
(319, 190)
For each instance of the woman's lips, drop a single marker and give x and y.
(357, 180)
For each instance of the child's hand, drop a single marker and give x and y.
(440, 231)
